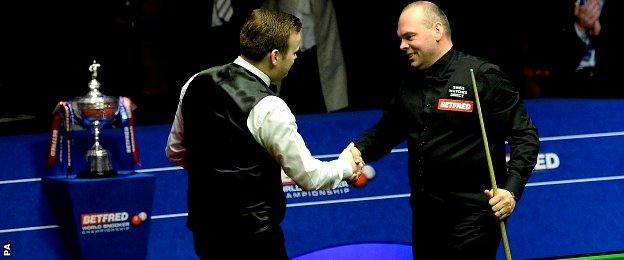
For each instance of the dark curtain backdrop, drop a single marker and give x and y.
(149, 48)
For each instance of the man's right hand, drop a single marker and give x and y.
(355, 159)
(357, 156)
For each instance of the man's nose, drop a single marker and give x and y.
(403, 45)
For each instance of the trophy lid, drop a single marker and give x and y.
(95, 106)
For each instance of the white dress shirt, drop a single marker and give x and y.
(274, 127)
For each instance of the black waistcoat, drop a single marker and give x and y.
(234, 184)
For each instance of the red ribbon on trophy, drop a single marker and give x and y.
(127, 122)
(60, 133)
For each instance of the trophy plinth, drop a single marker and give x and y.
(96, 110)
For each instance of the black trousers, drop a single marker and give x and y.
(453, 226)
(232, 244)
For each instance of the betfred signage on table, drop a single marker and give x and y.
(92, 223)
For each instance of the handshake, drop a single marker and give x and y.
(361, 173)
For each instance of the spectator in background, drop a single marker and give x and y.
(318, 81)
(203, 33)
(575, 56)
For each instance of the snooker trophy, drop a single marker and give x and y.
(96, 110)
(93, 111)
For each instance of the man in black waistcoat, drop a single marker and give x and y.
(233, 135)
(434, 110)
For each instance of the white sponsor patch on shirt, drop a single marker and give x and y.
(455, 105)
(458, 91)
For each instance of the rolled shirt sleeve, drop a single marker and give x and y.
(274, 127)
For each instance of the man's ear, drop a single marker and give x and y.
(438, 31)
(274, 57)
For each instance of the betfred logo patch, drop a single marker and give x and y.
(102, 218)
(455, 105)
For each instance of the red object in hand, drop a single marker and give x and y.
(361, 180)
(136, 220)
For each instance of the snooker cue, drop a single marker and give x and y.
(489, 162)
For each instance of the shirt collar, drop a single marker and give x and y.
(248, 66)
(440, 65)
